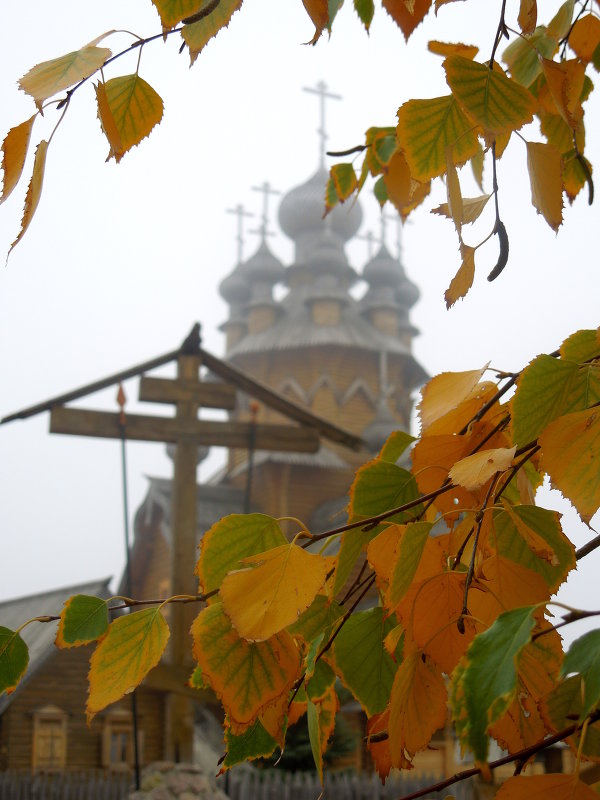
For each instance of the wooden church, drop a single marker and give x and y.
(318, 333)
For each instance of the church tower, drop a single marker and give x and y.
(303, 332)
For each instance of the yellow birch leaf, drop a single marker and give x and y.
(34, 191)
(197, 34)
(405, 17)
(427, 127)
(508, 583)
(51, 77)
(571, 456)
(477, 166)
(544, 165)
(398, 181)
(463, 280)
(574, 175)
(585, 37)
(497, 103)
(135, 109)
(456, 419)
(541, 787)
(380, 553)
(318, 11)
(417, 707)
(173, 11)
(527, 18)
(474, 471)
(272, 593)
(445, 392)
(133, 645)
(447, 49)
(453, 193)
(472, 208)
(273, 719)
(14, 152)
(107, 121)
(565, 83)
(246, 676)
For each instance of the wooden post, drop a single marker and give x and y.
(183, 558)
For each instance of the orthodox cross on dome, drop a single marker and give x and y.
(383, 220)
(240, 212)
(399, 225)
(369, 239)
(266, 190)
(321, 91)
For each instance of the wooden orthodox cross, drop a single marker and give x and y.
(323, 94)
(188, 393)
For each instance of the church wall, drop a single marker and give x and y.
(62, 682)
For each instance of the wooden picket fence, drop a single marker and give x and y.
(252, 784)
(240, 784)
(85, 785)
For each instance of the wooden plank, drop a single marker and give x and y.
(103, 424)
(208, 395)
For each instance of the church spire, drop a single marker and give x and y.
(321, 91)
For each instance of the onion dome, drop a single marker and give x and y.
(389, 286)
(301, 212)
(261, 272)
(234, 289)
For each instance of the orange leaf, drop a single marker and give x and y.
(544, 165)
(565, 82)
(455, 201)
(417, 707)
(133, 645)
(318, 11)
(131, 107)
(431, 621)
(527, 16)
(272, 593)
(34, 191)
(585, 37)
(446, 49)
(432, 457)
(246, 676)
(398, 181)
(510, 583)
(541, 787)
(571, 456)
(14, 152)
(463, 280)
(405, 17)
(474, 471)
(444, 392)
(380, 553)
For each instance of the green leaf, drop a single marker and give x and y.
(546, 524)
(362, 662)
(427, 128)
(344, 179)
(83, 619)
(198, 34)
(584, 658)
(321, 681)
(314, 736)
(197, 681)
(561, 22)
(365, 10)
(318, 618)
(521, 55)
(232, 539)
(395, 446)
(255, 742)
(581, 346)
(497, 103)
(549, 388)
(133, 645)
(14, 658)
(51, 77)
(380, 486)
(380, 191)
(409, 552)
(173, 11)
(485, 682)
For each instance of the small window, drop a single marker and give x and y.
(49, 739)
(117, 741)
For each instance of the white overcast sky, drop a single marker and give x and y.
(120, 260)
